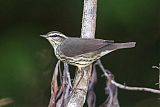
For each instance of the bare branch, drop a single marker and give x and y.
(158, 67)
(79, 93)
(83, 76)
(89, 19)
(135, 88)
(124, 86)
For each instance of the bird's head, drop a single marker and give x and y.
(54, 37)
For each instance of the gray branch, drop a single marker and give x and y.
(78, 97)
(107, 74)
(89, 19)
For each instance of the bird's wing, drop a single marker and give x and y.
(76, 46)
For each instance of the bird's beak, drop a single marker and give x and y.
(45, 36)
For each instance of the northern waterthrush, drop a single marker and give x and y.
(82, 52)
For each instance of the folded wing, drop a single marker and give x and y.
(76, 46)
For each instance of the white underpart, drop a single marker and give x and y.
(106, 52)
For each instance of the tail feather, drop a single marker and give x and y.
(125, 45)
(115, 46)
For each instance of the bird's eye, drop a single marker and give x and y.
(55, 35)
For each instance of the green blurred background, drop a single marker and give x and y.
(27, 60)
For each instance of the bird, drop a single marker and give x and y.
(82, 52)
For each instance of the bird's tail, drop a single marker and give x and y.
(125, 45)
(116, 46)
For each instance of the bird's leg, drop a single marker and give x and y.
(78, 77)
(77, 80)
(81, 72)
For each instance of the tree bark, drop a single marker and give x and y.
(78, 97)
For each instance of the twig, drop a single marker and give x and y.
(135, 88)
(158, 67)
(124, 86)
